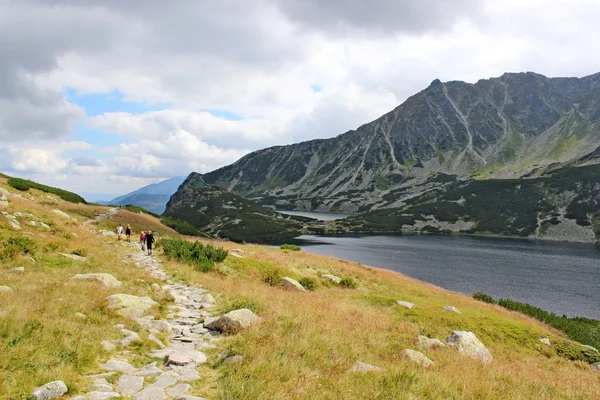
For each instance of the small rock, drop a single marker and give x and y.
(416, 357)
(156, 287)
(3, 200)
(585, 346)
(468, 344)
(80, 315)
(426, 343)
(108, 346)
(596, 366)
(406, 304)
(184, 357)
(546, 341)
(151, 393)
(156, 340)
(73, 257)
(96, 395)
(452, 309)
(148, 370)
(119, 326)
(61, 213)
(233, 321)
(234, 359)
(292, 284)
(133, 338)
(129, 384)
(331, 277)
(166, 379)
(50, 390)
(118, 365)
(364, 367)
(106, 279)
(5, 290)
(223, 355)
(179, 390)
(102, 385)
(130, 306)
(18, 269)
(188, 374)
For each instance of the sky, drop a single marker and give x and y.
(108, 96)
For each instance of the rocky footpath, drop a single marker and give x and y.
(190, 330)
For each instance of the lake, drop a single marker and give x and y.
(560, 277)
(321, 216)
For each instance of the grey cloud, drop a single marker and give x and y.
(86, 162)
(347, 17)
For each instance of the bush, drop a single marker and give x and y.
(308, 283)
(348, 282)
(14, 246)
(272, 276)
(291, 247)
(484, 297)
(24, 185)
(202, 256)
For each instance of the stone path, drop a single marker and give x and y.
(169, 377)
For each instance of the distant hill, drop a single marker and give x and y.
(153, 197)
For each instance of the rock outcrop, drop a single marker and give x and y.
(468, 344)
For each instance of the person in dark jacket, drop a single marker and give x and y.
(149, 242)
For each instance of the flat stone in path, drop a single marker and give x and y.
(406, 304)
(234, 321)
(416, 357)
(50, 390)
(468, 344)
(452, 309)
(151, 393)
(292, 284)
(106, 279)
(130, 306)
(96, 395)
(118, 365)
(185, 357)
(129, 384)
(179, 390)
(362, 367)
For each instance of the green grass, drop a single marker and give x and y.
(203, 256)
(291, 247)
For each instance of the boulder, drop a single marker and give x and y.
(362, 367)
(426, 343)
(331, 277)
(185, 357)
(416, 357)
(128, 384)
(234, 321)
(292, 284)
(545, 340)
(468, 344)
(106, 279)
(406, 304)
(130, 306)
(51, 390)
(452, 309)
(5, 290)
(73, 257)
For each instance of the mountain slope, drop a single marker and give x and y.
(505, 127)
(152, 197)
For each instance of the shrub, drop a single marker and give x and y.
(272, 276)
(291, 247)
(308, 283)
(348, 282)
(14, 246)
(202, 256)
(484, 297)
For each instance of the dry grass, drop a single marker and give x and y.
(308, 341)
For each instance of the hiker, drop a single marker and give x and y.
(128, 233)
(149, 241)
(143, 240)
(119, 231)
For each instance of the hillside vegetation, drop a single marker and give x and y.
(305, 344)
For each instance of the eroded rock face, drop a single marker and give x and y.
(468, 344)
(416, 357)
(130, 306)
(51, 390)
(234, 321)
(106, 279)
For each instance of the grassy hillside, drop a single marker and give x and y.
(306, 342)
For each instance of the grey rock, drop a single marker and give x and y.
(185, 356)
(585, 346)
(108, 346)
(96, 395)
(151, 393)
(18, 269)
(105, 279)
(179, 390)
(545, 341)
(234, 321)
(426, 343)
(80, 315)
(73, 257)
(130, 306)
(187, 374)
(362, 367)
(156, 340)
(452, 309)
(5, 290)
(50, 390)
(468, 344)
(148, 370)
(129, 384)
(292, 284)
(102, 385)
(118, 365)
(406, 304)
(234, 359)
(166, 379)
(61, 213)
(133, 338)
(331, 277)
(416, 357)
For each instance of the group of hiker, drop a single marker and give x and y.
(146, 238)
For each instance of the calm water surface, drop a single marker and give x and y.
(321, 216)
(560, 277)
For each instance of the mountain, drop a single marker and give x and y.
(219, 212)
(152, 197)
(516, 125)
